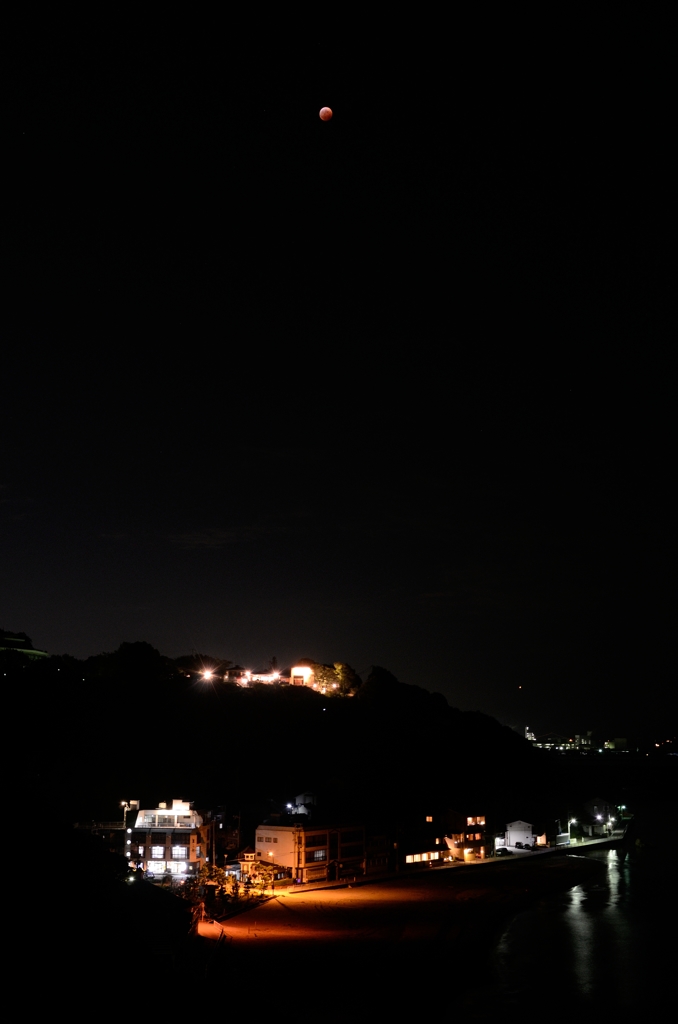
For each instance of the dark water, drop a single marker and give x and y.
(609, 944)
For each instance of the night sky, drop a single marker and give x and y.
(394, 389)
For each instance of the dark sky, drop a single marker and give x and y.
(393, 389)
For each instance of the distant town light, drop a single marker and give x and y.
(207, 674)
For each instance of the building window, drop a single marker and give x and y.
(470, 821)
(176, 867)
(480, 821)
(317, 840)
(355, 850)
(260, 839)
(268, 839)
(140, 851)
(437, 842)
(319, 855)
(429, 817)
(157, 852)
(156, 866)
(479, 835)
(275, 839)
(180, 852)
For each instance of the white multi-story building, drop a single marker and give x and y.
(313, 853)
(167, 840)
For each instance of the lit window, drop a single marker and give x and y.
(319, 855)
(417, 857)
(429, 818)
(157, 852)
(409, 859)
(479, 835)
(140, 850)
(480, 821)
(179, 852)
(437, 842)
(176, 867)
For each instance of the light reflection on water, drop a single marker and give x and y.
(601, 944)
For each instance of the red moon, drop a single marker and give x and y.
(326, 114)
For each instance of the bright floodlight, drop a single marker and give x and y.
(207, 674)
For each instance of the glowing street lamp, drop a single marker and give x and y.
(125, 808)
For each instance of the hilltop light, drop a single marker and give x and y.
(303, 672)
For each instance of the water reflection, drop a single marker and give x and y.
(581, 938)
(597, 945)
